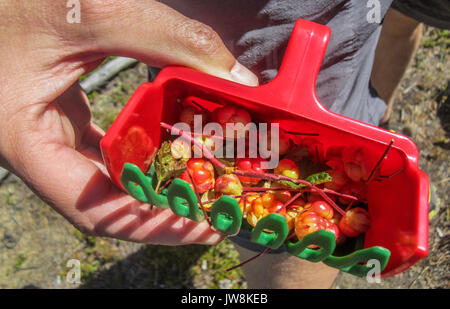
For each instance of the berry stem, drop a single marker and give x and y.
(372, 173)
(378, 163)
(328, 191)
(244, 208)
(249, 260)
(292, 200)
(394, 174)
(350, 197)
(328, 200)
(274, 177)
(291, 236)
(297, 181)
(157, 185)
(261, 189)
(211, 136)
(163, 187)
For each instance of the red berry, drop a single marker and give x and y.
(333, 228)
(336, 218)
(355, 222)
(356, 163)
(232, 115)
(268, 199)
(249, 165)
(283, 196)
(353, 171)
(228, 184)
(338, 175)
(202, 172)
(289, 215)
(188, 113)
(307, 223)
(339, 180)
(277, 206)
(288, 168)
(323, 209)
(256, 211)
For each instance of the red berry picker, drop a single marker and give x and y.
(338, 193)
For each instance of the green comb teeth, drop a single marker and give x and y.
(270, 231)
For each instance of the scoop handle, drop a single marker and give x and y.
(296, 79)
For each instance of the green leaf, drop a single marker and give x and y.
(314, 179)
(292, 184)
(166, 166)
(319, 178)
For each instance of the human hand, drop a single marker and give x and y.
(46, 134)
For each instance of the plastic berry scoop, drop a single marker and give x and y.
(398, 205)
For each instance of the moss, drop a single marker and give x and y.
(218, 259)
(92, 95)
(19, 262)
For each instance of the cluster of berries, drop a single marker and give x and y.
(336, 205)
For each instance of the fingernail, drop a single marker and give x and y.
(242, 75)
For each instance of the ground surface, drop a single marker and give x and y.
(36, 243)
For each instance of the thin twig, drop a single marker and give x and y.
(292, 200)
(258, 189)
(224, 138)
(394, 174)
(244, 208)
(164, 186)
(372, 173)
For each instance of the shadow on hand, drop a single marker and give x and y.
(115, 214)
(152, 266)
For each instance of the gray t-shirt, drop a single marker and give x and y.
(257, 32)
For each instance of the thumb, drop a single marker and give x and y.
(158, 35)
